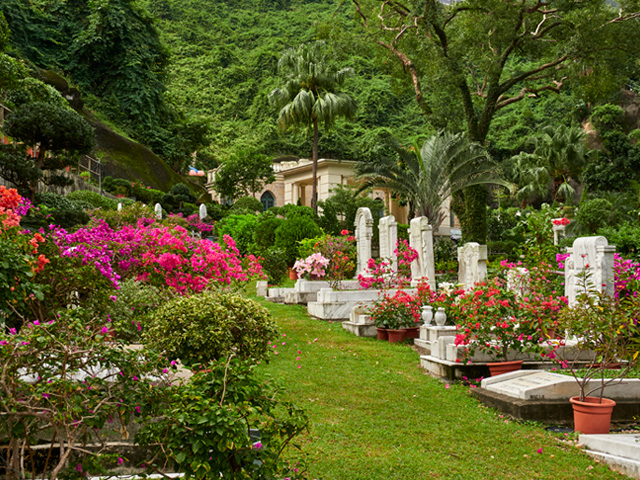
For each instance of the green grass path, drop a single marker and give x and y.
(375, 414)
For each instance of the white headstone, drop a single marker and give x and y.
(594, 256)
(388, 228)
(421, 239)
(119, 206)
(203, 211)
(472, 264)
(364, 234)
(158, 211)
(558, 229)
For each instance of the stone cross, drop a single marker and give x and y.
(364, 235)
(119, 206)
(158, 210)
(388, 228)
(203, 211)
(472, 264)
(592, 256)
(421, 239)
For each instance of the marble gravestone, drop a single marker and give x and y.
(388, 228)
(421, 239)
(472, 264)
(364, 235)
(203, 211)
(119, 207)
(158, 211)
(593, 257)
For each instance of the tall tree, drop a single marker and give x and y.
(553, 165)
(244, 174)
(309, 96)
(483, 55)
(426, 176)
(59, 133)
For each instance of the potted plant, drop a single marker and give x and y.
(486, 321)
(312, 268)
(605, 333)
(396, 313)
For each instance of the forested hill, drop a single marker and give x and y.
(224, 57)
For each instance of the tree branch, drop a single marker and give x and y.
(504, 87)
(533, 92)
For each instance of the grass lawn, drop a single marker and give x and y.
(375, 414)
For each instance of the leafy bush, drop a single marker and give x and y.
(240, 228)
(274, 264)
(247, 205)
(116, 186)
(607, 117)
(209, 326)
(264, 235)
(216, 211)
(594, 214)
(204, 426)
(294, 229)
(129, 215)
(93, 198)
(626, 238)
(62, 211)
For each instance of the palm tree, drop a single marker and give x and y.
(447, 163)
(558, 157)
(308, 97)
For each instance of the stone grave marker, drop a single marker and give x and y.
(472, 264)
(594, 256)
(119, 206)
(202, 211)
(364, 235)
(421, 239)
(158, 210)
(388, 228)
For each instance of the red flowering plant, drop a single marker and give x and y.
(486, 319)
(380, 274)
(340, 251)
(400, 310)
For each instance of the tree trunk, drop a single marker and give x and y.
(314, 174)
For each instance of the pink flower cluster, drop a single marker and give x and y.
(313, 266)
(160, 255)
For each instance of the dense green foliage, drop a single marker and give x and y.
(209, 326)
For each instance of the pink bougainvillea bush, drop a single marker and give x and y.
(379, 273)
(163, 256)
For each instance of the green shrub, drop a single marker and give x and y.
(129, 215)
(308, 246)
(634, 136)
(94, 199)
(274, 264)
(209, 326)
(607, 117)
(216, 211)
(61, 211)
(247, 205)
(294, 229)
(626, 238)
(403, 231)
(264, 235)
(240, 228)
(594, 214)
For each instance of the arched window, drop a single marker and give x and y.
(380, 207)
(268, 200)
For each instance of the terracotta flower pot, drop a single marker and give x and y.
(293, 275)
(395, 336)
(590, 416)
(412, 332)
(383, 334)
(499, 368)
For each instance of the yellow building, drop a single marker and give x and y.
(293, 183)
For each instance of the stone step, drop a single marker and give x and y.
(620, 451)
(622, 445)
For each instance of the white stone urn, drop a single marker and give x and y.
(440, 317)
(427, 314)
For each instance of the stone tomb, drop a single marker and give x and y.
(305, 291)
(544, 396)
(360, 323)
(388, 228)
(593, 256)
(338, 304)
(472, 264)
(364, 235)
(421, 239)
